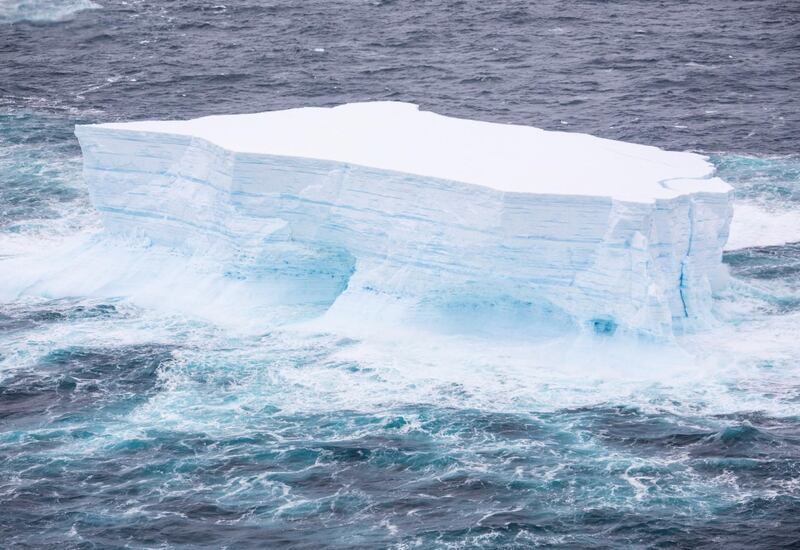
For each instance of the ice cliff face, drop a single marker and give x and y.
(382, 211)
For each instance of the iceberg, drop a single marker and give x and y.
(12, 11)
(381, 211)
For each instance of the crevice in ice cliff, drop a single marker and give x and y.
(681, 281)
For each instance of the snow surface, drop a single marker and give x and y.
(381, 213)
(398, 136)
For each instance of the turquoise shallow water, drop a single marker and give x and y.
(129, 426)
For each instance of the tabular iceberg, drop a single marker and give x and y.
(386, 210)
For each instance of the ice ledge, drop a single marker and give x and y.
(399, 137)
(552, 231)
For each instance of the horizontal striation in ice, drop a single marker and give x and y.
(403, 213)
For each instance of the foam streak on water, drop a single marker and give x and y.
(128, 417)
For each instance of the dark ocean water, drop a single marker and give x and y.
(123, 426)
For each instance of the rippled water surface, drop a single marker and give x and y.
(124, 425)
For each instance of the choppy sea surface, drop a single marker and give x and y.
(123, 426)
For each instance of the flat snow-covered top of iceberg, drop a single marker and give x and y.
(512, 158)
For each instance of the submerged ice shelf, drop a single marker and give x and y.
(382, 211)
